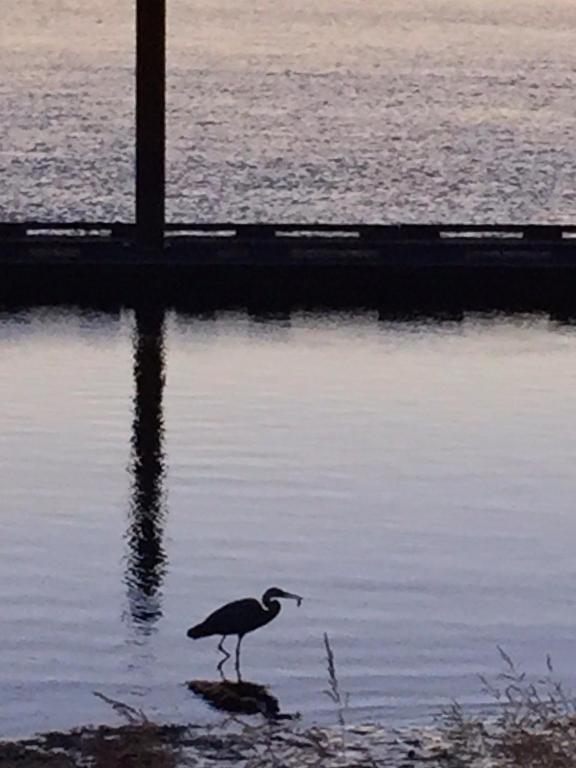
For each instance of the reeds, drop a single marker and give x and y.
(333, 692)
(535, 726)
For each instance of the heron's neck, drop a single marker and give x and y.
(272, 606)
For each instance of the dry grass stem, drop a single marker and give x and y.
(341, 700)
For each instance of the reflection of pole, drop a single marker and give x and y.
(146, 557)
(150, 121)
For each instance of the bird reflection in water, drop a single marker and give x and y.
(146, 560)
(240, 698)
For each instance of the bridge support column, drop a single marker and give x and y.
(150, 122)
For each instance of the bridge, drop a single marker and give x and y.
(302, 263)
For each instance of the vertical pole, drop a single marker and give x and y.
(150, 121)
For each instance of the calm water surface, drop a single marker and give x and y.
(297, 110)
(414, 481)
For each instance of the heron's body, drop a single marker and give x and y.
(236, 618)
(239, 618)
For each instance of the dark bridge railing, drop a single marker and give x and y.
(369, 233)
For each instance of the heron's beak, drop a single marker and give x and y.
(293, 597)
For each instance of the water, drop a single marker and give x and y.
(336, 111)
(412, 480)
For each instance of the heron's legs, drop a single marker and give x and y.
(238, 658)
(224, 660)
(222, 649)
(220, 668)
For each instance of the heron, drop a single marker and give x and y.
(239, 618)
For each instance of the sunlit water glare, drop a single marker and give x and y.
(331, 110)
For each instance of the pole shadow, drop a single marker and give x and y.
(146, 558)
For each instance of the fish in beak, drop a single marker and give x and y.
(291, 596)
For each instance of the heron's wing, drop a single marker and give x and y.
(235, 618)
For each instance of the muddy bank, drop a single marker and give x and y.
(236, 744)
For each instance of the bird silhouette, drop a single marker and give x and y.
(239, 618)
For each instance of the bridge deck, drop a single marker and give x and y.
(323, 244)
(219, 265)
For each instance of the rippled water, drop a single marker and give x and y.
(332, 110)
(414, 481)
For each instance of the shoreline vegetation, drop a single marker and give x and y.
(534, 726)
(233, 745)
